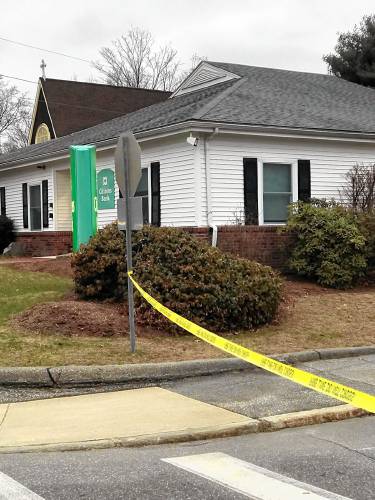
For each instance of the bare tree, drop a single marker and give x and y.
(359, 191)
(134, 61)
(195, 60)
(15, 118)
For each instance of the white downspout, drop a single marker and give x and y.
(208, 186)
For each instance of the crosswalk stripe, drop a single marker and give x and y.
(249, 479)
(12, 490)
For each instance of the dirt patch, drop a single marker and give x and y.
(58, 267)
(76, 318)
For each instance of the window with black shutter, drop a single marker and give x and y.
(3, 209)
(250, 176)
(155, 194)
(142, 191)
(45, 203)
(25, 205)
(304, 180)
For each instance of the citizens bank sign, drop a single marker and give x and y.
(106, 189)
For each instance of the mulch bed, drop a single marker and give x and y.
(59, 267)
(73, 317)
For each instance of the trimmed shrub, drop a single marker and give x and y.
(100, 266)
(330, 247)
(366, 223)
(199, 282)
(7, 234)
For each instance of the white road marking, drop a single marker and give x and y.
(249, 479)
(12, 490)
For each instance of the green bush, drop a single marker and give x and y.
(100, 267)
(366, 223)
(7, 235)
(199, 282)
(329, 247)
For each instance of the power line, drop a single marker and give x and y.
(16, 78)
(44, 50)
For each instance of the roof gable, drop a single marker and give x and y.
(40, 115)
(75, 106)
(204, 76)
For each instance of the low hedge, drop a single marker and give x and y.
(330, 247)
(203, 284)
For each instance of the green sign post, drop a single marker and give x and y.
(84, 200)
(106, 189)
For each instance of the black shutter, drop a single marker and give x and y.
(25, 205)
(155, 194)
(250, 179)
(304, 180)
(45, 203)
(3, 209)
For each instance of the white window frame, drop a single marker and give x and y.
(294, 180)
(29, 207)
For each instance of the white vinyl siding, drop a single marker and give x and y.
(12, 181)
(178, 179)
(330, 161)
(183, 194)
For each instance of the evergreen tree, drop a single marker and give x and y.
(354, 57)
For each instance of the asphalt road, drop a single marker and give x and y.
(251, 393)
(337, 457)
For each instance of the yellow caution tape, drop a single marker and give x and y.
(356, 398)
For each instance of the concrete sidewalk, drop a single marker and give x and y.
(182, 410)
(123, 418)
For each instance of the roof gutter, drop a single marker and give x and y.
(206, 126)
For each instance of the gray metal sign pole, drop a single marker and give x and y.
(129, 260)
(129, 209)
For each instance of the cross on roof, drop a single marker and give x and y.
(43, 68)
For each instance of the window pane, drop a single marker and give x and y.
(276, 178)
(145, 209)
(275, 207)
(35, 208)
(142, 188)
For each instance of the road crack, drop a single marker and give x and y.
(347, 448)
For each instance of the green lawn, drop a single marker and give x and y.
(20, 290)
(312, 319)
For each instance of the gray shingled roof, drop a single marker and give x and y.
(282, 98)
(169, 112)
(262, 97)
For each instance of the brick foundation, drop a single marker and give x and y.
(265, 244)
(42, 244)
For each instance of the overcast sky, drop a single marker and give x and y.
(292, 34)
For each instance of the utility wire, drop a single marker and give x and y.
(44, 50)
(93, 108)
(16, 78)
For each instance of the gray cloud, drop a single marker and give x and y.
(290, 34)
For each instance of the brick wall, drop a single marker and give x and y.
(45, 243)
(263, 244)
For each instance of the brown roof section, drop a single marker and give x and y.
(76, 106)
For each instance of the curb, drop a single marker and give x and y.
(155, 372)
(264, 424)
(311, 417)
